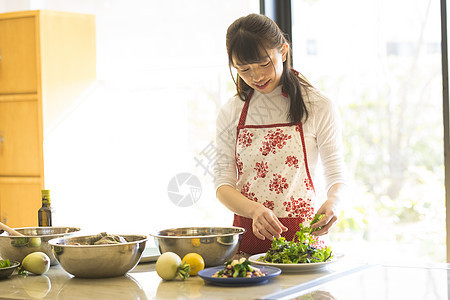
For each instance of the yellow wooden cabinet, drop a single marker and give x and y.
(47, 62)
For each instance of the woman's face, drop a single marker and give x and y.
(263, 76)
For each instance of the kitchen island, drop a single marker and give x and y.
(341, 280)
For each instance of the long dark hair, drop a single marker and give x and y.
(247, 40)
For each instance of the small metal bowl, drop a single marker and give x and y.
(98, 261)
(35, 240)
(7, 271)
(215, 244)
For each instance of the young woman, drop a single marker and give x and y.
(269, 138)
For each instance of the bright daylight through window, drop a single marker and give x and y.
(115, 159)
(380, 61)
(148, 123)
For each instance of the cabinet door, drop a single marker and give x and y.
(18, 56)
(19, 139)
(19, 201)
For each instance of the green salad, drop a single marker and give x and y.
(4, 263)
(299, 250)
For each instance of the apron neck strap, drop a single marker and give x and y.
(245, 110)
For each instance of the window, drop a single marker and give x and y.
(116, 161)
(400, 48)
(380, 62)
(112, 162)
(311, 47)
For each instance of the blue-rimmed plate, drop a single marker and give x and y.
(207, 275)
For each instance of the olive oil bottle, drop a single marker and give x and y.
(45, 212)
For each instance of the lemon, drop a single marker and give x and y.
(196, 262)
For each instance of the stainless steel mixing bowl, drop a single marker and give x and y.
(98, 261)
(35, 240)
(215, 244)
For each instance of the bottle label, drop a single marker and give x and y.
(45, 198)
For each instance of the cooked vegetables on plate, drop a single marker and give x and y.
(239, 268)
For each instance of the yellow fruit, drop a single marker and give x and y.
(196, 262)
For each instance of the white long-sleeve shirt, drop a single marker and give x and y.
(322, 132)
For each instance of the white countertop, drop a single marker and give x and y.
(341, 280)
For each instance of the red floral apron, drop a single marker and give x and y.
(273, 170)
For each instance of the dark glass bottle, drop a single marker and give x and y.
(45, 212)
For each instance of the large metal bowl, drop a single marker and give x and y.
(215, 244)
(98, 261)
(35, 240)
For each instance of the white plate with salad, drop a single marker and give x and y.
(298, 267)
(301, 254)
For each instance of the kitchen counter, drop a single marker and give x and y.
(341, 280)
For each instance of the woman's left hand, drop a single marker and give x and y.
(330, 209)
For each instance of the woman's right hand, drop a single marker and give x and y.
(266, 224)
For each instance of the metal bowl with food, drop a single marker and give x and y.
(82, 257)
(35, 239)
(215, 244)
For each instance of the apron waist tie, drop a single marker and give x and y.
(250, 244)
